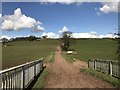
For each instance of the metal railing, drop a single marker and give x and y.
(21, 76)
(111, 67)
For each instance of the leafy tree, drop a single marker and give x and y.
(32, 38)
(5, 41)
(66, 38)
(44, 37)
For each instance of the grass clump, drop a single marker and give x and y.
(41, 80)
(50, 58)
(69, 58)
(110, 79)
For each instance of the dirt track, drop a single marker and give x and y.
(67, 75)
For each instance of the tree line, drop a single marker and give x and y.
(29, 38)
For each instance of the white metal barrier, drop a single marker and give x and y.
(21, 76)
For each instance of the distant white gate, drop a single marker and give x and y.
(21, 76)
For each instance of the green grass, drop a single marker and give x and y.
(97, 49)
(41, 80)
(69, 57)
(105, 77)
(20, 52)
(50, 58)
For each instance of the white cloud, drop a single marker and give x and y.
(74, 1)
(91, 34)
(50, 35)
(5, 36)
(97, 12)
(108, 36)
(80, 35)
(116, 36)
(39, 28)
(18, 21)
(0, 15)
(101, 36)
(60, 1)
(109, 7)
(64, 29)
(38, 22)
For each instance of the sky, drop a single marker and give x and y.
(83, 19)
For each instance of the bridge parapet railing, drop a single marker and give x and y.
(19, 77)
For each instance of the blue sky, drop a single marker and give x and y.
(77, 18)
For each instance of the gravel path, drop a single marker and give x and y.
(63, 74)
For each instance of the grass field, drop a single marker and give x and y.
(96, 49)
(23, 51)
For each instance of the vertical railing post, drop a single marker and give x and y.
(40, 68)
(34, 69)
(110, 67)
(118, 69)
(95, 64)
(23, 68)
(88, 63)
(0, 81)
(17, 77)
(42, 64)
(100, 65)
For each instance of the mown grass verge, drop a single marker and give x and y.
(69, 57)
(41, 80)
(114, 81)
